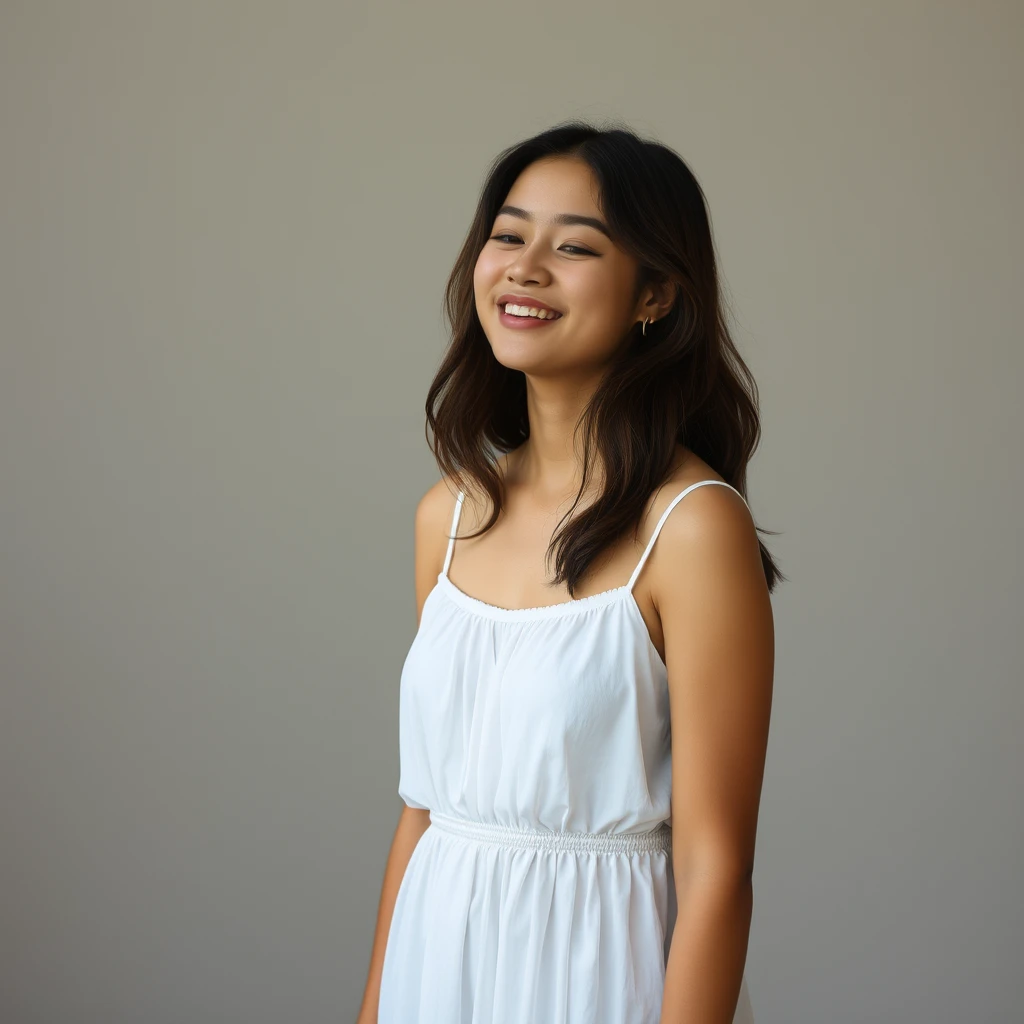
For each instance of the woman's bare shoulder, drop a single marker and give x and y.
(434, 513)
(432, 526)
(688, 468)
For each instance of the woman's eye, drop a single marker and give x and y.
(515, 238)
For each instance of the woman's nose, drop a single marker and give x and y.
(528, 266)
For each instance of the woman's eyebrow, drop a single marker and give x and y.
(560, 218)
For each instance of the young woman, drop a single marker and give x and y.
(582, 759)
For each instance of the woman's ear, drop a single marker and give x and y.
(659, 297)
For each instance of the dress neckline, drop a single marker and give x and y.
(576, 604)
(602, 599)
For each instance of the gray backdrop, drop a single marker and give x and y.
(224, 231)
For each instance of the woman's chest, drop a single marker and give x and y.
(547, 684)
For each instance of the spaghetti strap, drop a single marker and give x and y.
(451, 538)
(661, 522)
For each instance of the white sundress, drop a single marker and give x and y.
(542, 891)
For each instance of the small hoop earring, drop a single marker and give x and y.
(643, 330)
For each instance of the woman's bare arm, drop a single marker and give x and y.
(433, 519)
(412, 823)
(714, 605)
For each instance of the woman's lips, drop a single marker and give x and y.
(524, 323)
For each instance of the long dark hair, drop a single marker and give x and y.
(682, 383)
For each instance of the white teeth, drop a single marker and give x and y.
(534, 311)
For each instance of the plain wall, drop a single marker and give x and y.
(224, 233)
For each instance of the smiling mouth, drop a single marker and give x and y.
(528, 312)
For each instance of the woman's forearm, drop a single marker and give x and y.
(412, 823)
(708, 951)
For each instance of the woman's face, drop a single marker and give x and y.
(571, 267)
